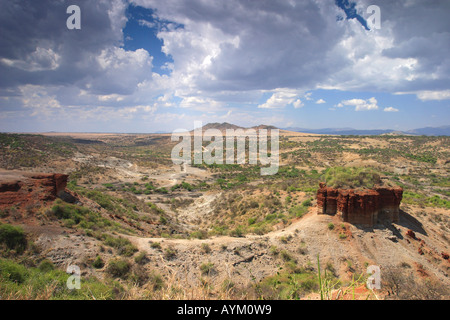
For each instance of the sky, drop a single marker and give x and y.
(143, 66)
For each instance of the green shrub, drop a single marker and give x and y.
(298, 211)
(22, 283)
(288, 285)
(155, 245)
(251, 221)
(288, 199)
(170, 253)
(12, 271)
(198, 234)
(118, 268)
(286, 256)
(13, 237)
(98, 263)
(46, 266)
(331, 226)
(207, 268)
(260, 230)
(162, 190)
(72, 215)
(285, 239)
(123, 246)
(104, 200)
(141, 258)
(273, 250)
(436, 201)
(69, 223)
(237, 232)
(186, 186)
(156, 280)
(162, 219)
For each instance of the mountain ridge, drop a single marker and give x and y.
(428, 131)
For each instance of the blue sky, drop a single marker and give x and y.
(141, 31)
(148, 65)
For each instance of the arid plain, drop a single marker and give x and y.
(139, 226)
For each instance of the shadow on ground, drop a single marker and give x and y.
(405, 220)
(408, 221)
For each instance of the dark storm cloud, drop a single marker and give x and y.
(253, 45)
(263, 45)
(37, 48)
(222, 51)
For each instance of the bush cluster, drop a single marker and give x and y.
(341, 177)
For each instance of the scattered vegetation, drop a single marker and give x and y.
(206, 268)
(348, 177)
(98, 263)
(123, 246)
(118, 268)
(28, 150)
(46, 282)
(250, 204)
(12, 237)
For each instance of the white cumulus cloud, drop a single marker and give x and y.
(361, 104)
(281, 99)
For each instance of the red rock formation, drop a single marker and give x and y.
(365, 207)
(327, 199)
(19, 188)
(411, 234)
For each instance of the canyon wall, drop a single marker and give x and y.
(20, 189)
(366, 206)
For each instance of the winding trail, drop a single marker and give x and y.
(308, 219)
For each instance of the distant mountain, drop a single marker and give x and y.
(161, 132)
(225, 125)
(397, 133)
(221, 126)
(428, 131)
(263, 126)
(339, 131)
(431, 131)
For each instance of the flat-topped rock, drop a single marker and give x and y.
(360, 206)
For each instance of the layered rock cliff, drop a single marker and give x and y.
(366, 206)
(20, 189)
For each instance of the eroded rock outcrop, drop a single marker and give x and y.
(20, 189)
(366, 206)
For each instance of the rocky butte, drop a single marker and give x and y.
(366, 207)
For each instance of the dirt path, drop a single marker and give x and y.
(308, 220)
